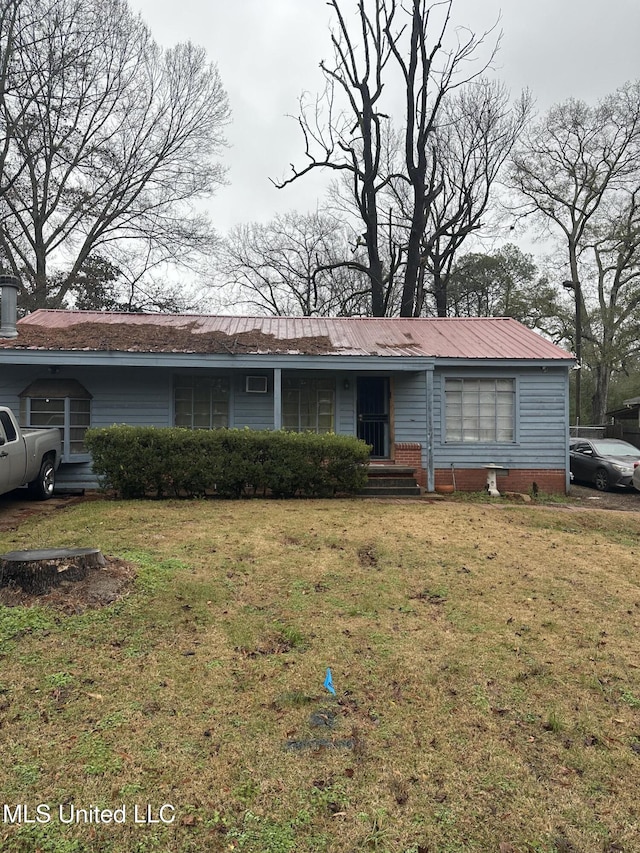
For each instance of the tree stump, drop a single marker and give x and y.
(37, 571)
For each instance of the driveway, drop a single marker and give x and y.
(627, 500)
(16, 508)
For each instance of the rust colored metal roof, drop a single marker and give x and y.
(467, 338)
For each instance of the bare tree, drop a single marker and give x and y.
(13, 80)
(570, 166)
(612, 325)
(292, 265)
(572, 157)
(477, 131)
(8, 14)
(347, 129)
(108, 142)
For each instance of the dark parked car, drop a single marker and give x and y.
(604, 462)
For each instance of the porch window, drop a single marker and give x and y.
(59, 403)
(308, 405)
(201, 403)
(480, 410)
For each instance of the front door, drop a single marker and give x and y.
(373, 414)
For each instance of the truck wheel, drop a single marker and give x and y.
(42, 487)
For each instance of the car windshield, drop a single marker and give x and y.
(616, 448)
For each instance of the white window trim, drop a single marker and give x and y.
(67, 455)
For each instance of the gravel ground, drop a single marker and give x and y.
(627, 500)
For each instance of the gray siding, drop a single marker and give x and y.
(410, 409)
(346, 403)
(13, 380)
(133, 396)
(541, 422)
(254, 411)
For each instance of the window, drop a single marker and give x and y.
(62, 403)
(71, 415)
(308, 405)
(7, 429)
(582, 447)
(480, 410)
(201, 403)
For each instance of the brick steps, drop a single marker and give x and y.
(391, 481)
(390, 492)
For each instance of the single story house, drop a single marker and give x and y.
(445, 396)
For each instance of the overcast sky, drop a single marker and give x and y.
(268, 53)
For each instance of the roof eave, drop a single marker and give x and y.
(336, 361)
(542, 363)
(333, 361)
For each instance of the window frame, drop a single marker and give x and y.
(289, 384)
(199, 383)
(473, 442)
(68, 391)
(68, 453)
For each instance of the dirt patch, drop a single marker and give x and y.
(98, 588)
(367, 556)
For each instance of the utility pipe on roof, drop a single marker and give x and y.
(9, 287)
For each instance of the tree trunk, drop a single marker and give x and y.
(440, 293)
(412, 269)
(600, 398)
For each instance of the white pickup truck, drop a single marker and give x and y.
(28, 457)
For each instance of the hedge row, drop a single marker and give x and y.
(140, 461)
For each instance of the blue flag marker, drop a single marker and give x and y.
(328, 682)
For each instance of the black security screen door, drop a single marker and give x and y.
(373, 414)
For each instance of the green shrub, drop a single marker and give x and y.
(140, 461)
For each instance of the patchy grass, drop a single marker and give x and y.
(484, 658)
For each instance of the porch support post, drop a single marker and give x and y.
(277, 398)
(429, 423)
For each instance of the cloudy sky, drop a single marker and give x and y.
(268, 53)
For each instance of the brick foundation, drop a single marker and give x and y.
(475, 479)
(517, 480)
(410, 454)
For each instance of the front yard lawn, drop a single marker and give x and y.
(484, 657)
